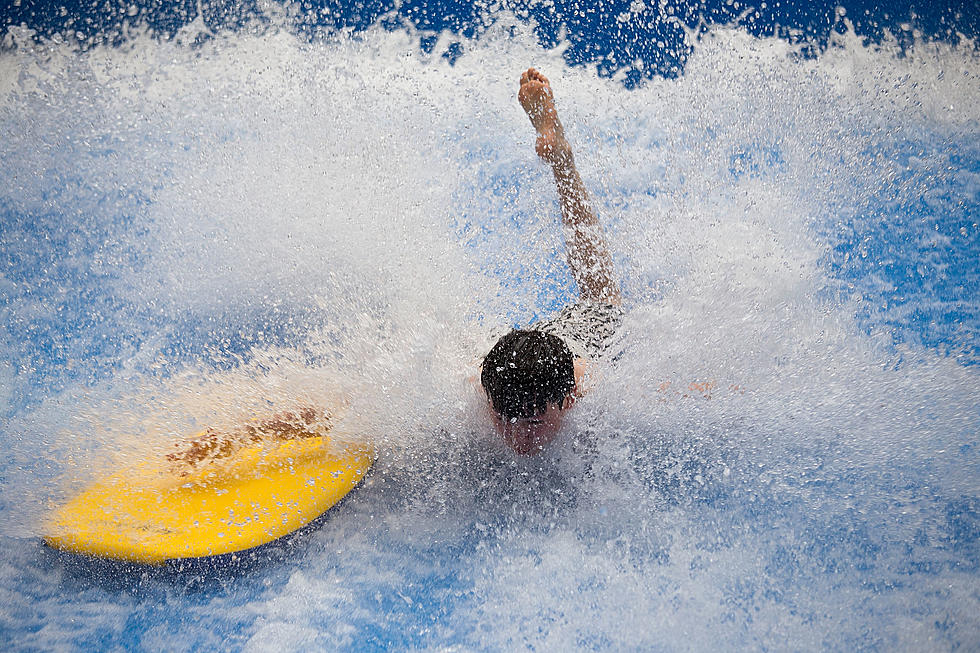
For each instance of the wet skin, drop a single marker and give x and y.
(528, 436)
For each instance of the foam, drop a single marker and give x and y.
(380, 215)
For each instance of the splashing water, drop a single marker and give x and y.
(199, 230)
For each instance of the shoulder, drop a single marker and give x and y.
(587, 327)
(583, 378)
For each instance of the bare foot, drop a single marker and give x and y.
(539, 103)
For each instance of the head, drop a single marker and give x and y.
(529, 378)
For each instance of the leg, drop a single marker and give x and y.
(585, 243)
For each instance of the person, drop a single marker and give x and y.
(533, 376)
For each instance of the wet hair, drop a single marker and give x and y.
(525, 371)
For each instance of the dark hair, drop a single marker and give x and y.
(525, 371)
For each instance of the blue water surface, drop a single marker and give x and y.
(904, 262)
(658, 38)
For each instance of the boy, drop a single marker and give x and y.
(532, 376)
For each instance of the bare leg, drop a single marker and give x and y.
(585, 242)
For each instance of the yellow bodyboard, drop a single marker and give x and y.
(160, 511)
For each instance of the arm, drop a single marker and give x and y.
(585, 242)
